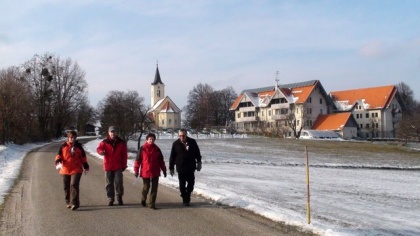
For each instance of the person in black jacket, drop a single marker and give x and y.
(185, 154)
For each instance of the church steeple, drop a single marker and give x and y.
(157, 76)
(157, 88)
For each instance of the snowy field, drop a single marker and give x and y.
(370, 192)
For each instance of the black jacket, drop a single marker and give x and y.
(185, 160)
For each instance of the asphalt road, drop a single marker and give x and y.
(35, 206)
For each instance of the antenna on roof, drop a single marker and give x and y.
(277, 78)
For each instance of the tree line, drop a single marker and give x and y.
(46, 94)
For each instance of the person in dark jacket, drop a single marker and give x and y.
(114, 150)
(151, 161)
(186, 156)
(71, 160)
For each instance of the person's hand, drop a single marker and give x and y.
(136, 174)
(59, 160)
(171, 172)
(86, 171)
(198, 166)
(164, 174)
(86, 166)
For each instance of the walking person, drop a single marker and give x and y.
(71, 160)
(185, 154)
(150, 162)
(114, 150)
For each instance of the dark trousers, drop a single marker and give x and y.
(114, 183)
(154, 182)
(186, 184)
(71, 189)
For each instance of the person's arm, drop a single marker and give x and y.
(101, 148)
(162, 163)
(137, 162)
(124, 156)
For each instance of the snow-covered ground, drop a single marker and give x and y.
(351, 192)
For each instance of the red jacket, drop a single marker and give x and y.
(115, 157)
(150, 159)
(72, 162)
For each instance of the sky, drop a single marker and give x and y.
(351, 193)
(345, 44)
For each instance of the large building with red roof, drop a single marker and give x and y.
(377, 110)
(282, 109)
(287, 109)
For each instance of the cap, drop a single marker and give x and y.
(112, 128)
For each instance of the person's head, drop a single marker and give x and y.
(150, 138)
(71, 136)
(182, 134)
(112, 132)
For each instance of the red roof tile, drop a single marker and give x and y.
(375, 97)
(335, 121)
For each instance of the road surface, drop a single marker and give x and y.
(36, 206)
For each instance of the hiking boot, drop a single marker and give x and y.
(152, 206)
(68, 206)
(110, 203)
(143, 203)
(120, 201)
(73, 208)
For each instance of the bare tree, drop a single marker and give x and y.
(16, 113)
(124, 110)
(38, 75)
(407, 96)
(69, 92)
(85, 114)
(409, 127)
(208, 107)
(197, 111)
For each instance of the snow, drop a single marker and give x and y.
(350, 193)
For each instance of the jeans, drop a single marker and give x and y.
(114, 183)
(71, 189)
(153, 192)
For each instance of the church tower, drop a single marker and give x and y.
(157, 88)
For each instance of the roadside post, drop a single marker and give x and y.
(308, 203)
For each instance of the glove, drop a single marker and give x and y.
(59, 160)
(171, 172)
(136, 174)
(164, 174)
(86, 166)
(198, 166)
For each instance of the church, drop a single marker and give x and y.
(164, 111)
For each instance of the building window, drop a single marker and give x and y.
(320, 111)
(367, 115)
(361, 126)
(367, 126)
(310, 100)
(239, 115)
(320, 101)
(163, 122)
(170, 120)
(269, 113)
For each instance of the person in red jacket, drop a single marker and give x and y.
(151, 161)
(72, 159)
(114, 150)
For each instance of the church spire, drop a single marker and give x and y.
(157, 76)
